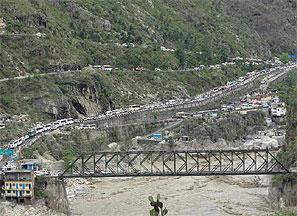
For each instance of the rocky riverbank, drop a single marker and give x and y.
(38, 208)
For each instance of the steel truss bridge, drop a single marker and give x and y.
(175, 163)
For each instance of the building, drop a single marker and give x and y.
(293, 57)
(278, 111)
(103, 67)
(167, 49)
(4, 118)
(139, 68)
(183, 115)
(157, 136)
(18, 185)
(30, 166)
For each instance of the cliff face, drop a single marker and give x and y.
(55, 97)
(289, 192)
(285, 187)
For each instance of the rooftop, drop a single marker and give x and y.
(17, 171)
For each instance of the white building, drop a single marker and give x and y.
(2, 125)
(278, 111)
(167, 49)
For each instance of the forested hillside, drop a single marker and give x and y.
(45, 35)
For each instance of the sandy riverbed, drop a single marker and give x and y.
(183, 196)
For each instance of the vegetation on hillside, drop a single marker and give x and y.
(40, 186)
(65, 147)
(288, 93)
(287, 213)
(284, 57)
(231, 127)
(46, 35)
(44, 99)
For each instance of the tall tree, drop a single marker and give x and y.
(181, 56)
(284, 57)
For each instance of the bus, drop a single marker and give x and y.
(134, 107)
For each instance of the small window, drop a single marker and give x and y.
(8, 192)
(28, 192)
(7, 184)
(14, 192)
(26, 185)
(13, 184)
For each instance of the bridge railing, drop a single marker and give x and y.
(175, 163)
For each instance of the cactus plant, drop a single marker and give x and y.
(158, 209)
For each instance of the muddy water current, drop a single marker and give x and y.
(183, 196)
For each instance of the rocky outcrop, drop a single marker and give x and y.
(107, 25)
(37, 208)
(56, 196)
(71, 99)
(59, 108)
(289, 191)
(284, 188)
(285, 194)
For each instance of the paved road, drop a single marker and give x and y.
(39, 75)
(270, 77)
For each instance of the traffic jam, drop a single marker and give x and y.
(22, 142)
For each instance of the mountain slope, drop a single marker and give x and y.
(81, 32)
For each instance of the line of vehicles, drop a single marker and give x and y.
(231, 85)
(40, 129)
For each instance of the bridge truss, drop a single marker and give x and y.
(175, 163)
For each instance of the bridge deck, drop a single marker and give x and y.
(175, 163)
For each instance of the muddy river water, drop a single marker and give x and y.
(183, 196)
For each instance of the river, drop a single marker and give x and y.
(183, 196)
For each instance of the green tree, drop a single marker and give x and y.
(68, 157)
(206, 55)
(284, 57)
(40, 186)
(97, 144)
(222, 55)
(181, 56)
